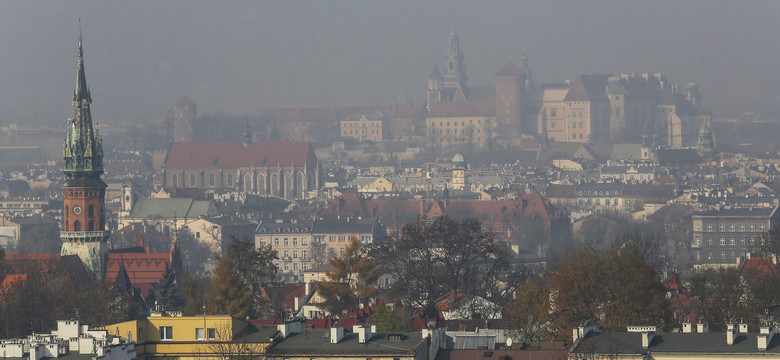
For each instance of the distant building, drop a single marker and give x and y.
(184, 117)
(285, 169)
(365, 127)
(722, 236)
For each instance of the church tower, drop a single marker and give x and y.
(83, 192)
(455, 74)
(459, 172)
(434, 88)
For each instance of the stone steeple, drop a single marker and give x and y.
(83, 150)
(455, 72)
(83, 193)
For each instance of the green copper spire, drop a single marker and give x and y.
(83, 151)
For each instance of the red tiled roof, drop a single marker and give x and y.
(510, 69)
(673, 283)
(757, 267)
(22, 263)
(588, 88)
(143, 269)
(486, 107)
(184, 101)
(235, 155)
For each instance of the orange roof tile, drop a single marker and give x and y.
(486, 107)
(588, 88)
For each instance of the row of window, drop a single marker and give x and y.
(600, 192)
(732, 241)
(732, 255)
(304, 254)
(455, 123)
(166, 333)
(733, 228)
(598, 202)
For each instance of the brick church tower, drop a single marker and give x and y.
(84, 192)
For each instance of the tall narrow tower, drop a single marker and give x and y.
(455, 74)
(83, 192)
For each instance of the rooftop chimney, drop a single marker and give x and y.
(647, 338)
(730, 334)
(687, 327)
(336, 334)
(743, 327)
(702, 327)
(765, 335)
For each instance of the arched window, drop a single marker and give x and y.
(91, 225)
(288, 186)
(76, 226)
(91, 211)
(275, 184)
(261, 184)
(230, 180)
(175, 180)
(248, 183)
(299, 188)
(192, 180)
(211, 180)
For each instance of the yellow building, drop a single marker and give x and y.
(367, 127)
(194, 337)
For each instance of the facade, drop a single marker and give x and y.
(195, 337)
(459, 167)
(305, 245)
(84, 228)
(366, 127)
(629, 174)
(284, 169)
(722, 236)
(467, 123)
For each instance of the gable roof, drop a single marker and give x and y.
(184, 101)
(235, 155)
(588, 87)
(143, 269)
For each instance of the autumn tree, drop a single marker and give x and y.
(256, 268)
(429, 259)
(528, 315)
(352, 281)
(615, 288)
(194, 289)
(226, 294)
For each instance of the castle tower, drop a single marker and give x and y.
(434, 88)
(455, 73)
(184, 114)
(510, 92)
(459, 172)
(617, 106)
(83, 192)
(247, 135)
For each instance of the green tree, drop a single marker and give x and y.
(195, 253)
(390, 320)
(227, 295)
(352, 281)
(167, 290)
(257, 269)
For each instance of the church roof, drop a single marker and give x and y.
(510, 69)
(235, 155)
(588, 87)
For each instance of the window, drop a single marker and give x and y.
(276, 241)
(342, 238)
(295, 254)
(342, 251)
(91, 211)
(722, 227)
(742, 227)
(752, 241)
(723, 255)
(192, 180)
(304, 241)
(709, 241)
(286, 254)
(698, 240)
(303, 254)
(286, 242)
(209, 334)
(731, 242)
(698, 227)
(752, 227)
(166, 333)
(732, 228)
(230, 180)
(553, 113)
(762, 227)
(211, 180)
(174, 180)
(709, 227)
(722, 241)
(742, 241)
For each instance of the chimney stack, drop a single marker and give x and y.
(743, 327)
(336, 334)
(687, 327)
(765, 335)
(730, 334)
(702, 327)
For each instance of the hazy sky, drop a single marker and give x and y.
(241, 56)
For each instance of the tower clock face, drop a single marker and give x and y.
(77, 210)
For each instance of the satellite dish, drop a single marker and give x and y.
(361, 306)
(508, 341)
